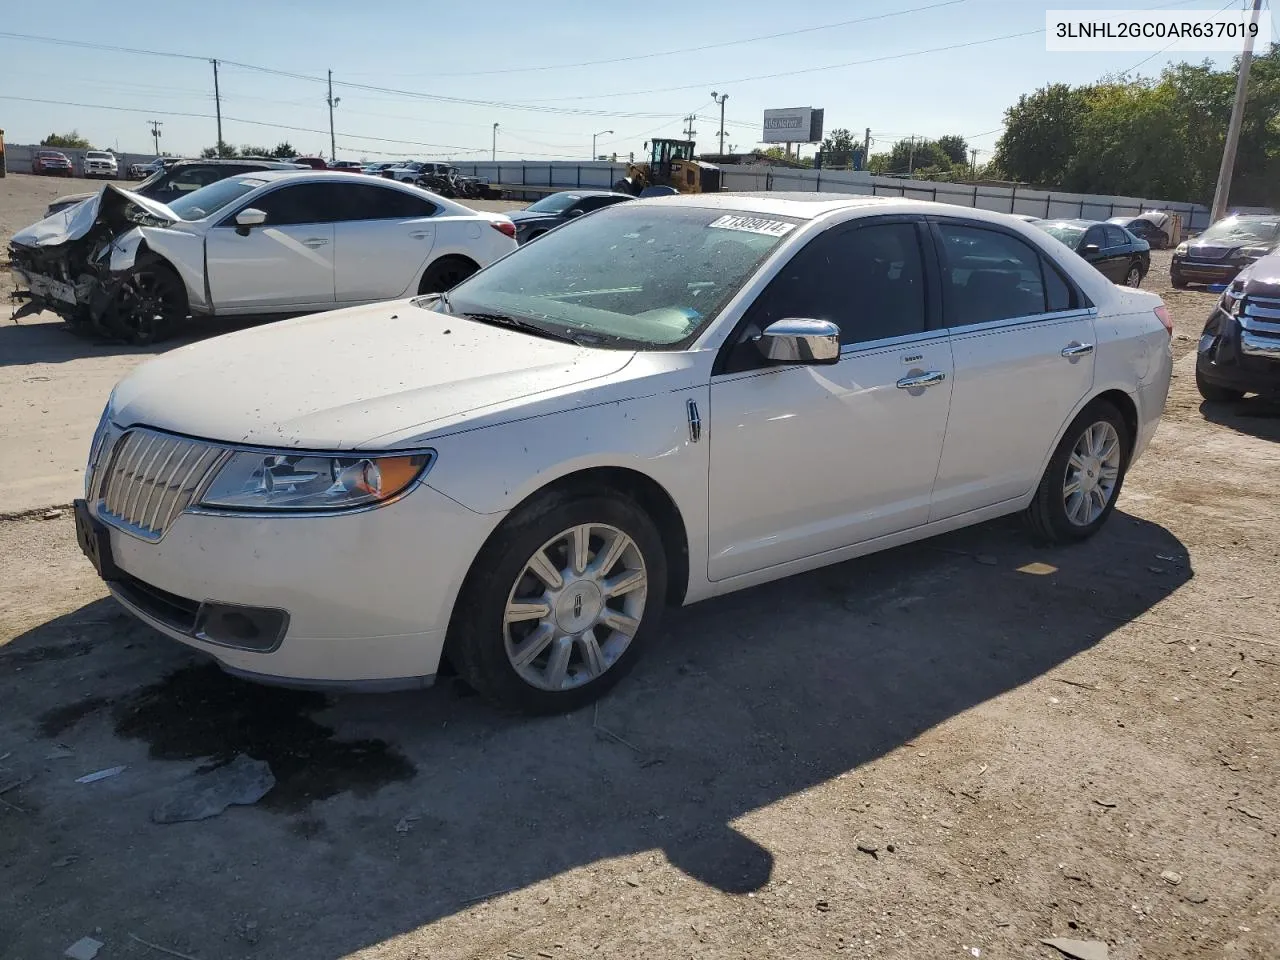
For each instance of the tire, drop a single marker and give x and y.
(539, 664)
(1133, 276)
(445, 274)
(1054, 516)
(1177, 282)
(1216, 394)
(150, 303)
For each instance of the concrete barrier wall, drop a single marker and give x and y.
(18, 157)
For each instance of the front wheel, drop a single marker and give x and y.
(1082, 482)
(151, 301)
(560, 602)
(1133, 278)
(1177, 281)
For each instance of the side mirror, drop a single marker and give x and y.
(794, 340)
(249, 217)
(576, 213)
(1090, 248)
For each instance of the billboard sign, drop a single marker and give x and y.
(793, 125)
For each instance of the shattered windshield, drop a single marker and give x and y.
(1238, 230)
(207, 201)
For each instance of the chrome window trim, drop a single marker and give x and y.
(991, 325)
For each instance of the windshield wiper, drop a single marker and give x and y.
(515, 323)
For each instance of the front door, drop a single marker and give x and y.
(285, 263)
(807, 459)
(1022, 339)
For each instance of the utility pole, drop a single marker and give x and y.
(973, 162)
(217, 104)
(911, 157)
(720, 100)
(155, 133)
(1223, 190)
(866, 150)
(688, 126)
(494, 156)
(333, 102)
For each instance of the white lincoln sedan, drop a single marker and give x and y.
(667, 400)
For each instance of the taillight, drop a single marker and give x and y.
(504, 227)
(1162, 312)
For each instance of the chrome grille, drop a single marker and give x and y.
(151, 478)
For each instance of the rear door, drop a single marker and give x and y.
(286, 263)
(1022, 341)
(383, 239)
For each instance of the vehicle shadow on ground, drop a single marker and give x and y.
(744, 701)
(40, 339)
(1256, 416)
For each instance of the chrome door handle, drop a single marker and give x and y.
(1077, 349)
(922, 380)
(314, 242)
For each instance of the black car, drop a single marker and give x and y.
(1239, 350)
(549, 212)
(1151, 227)
(1225, 249)
(1116, 253)
(177, 179)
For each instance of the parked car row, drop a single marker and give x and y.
(533, 464)
(132, 265)
(1116, 253)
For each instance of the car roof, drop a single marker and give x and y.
(236, 161)
(588, 193)
(1073, 221)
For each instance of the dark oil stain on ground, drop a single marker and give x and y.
(199, 711)
(60, 719)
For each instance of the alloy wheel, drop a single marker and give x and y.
(575, 607)
(1134, 277)
(1092, 472)
(147, 305)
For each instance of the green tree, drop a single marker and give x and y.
(839, 140)
(284, 150)
(1041, 134)
(251, 150)
(69, 141)
(956, 148)
(908, 156)
(224, 150)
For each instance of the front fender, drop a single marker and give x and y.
(181, 250)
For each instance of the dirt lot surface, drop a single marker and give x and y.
(953, 749)
(54, 385)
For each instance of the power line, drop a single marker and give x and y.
(698, 49)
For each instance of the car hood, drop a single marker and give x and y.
(74, 222)
(338, 380)
(1221, 249)
(519, 216)
(1261, 278)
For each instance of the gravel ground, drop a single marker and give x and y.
(861, 761)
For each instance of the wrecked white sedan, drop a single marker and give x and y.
(258, 244)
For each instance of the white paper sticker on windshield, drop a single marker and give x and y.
(770, 228)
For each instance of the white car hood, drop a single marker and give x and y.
(74, 222)
(337, 380)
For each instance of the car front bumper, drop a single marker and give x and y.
(1240, 353)
(1201, 271)
(366, 595)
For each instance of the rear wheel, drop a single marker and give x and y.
(560, 601)
(149, 304)
(445, 274)
(1216, 394)
(1177, 281)
(1082, 482)
(1133, 277)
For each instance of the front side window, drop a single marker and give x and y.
(299, 203)
(644, 275)
(988, 275)
(1116, 237)
(868, 280)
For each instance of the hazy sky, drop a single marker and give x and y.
(520, 59)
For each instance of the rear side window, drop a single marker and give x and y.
(1116, 237)
(1059, 295)
(372, 202)
(988, 275)
(868, 280)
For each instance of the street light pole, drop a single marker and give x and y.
(720, 100)
(593, 141)
(1221, 193)
(494, 157)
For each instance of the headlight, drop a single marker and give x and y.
(252, 480)
(1181, 249)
